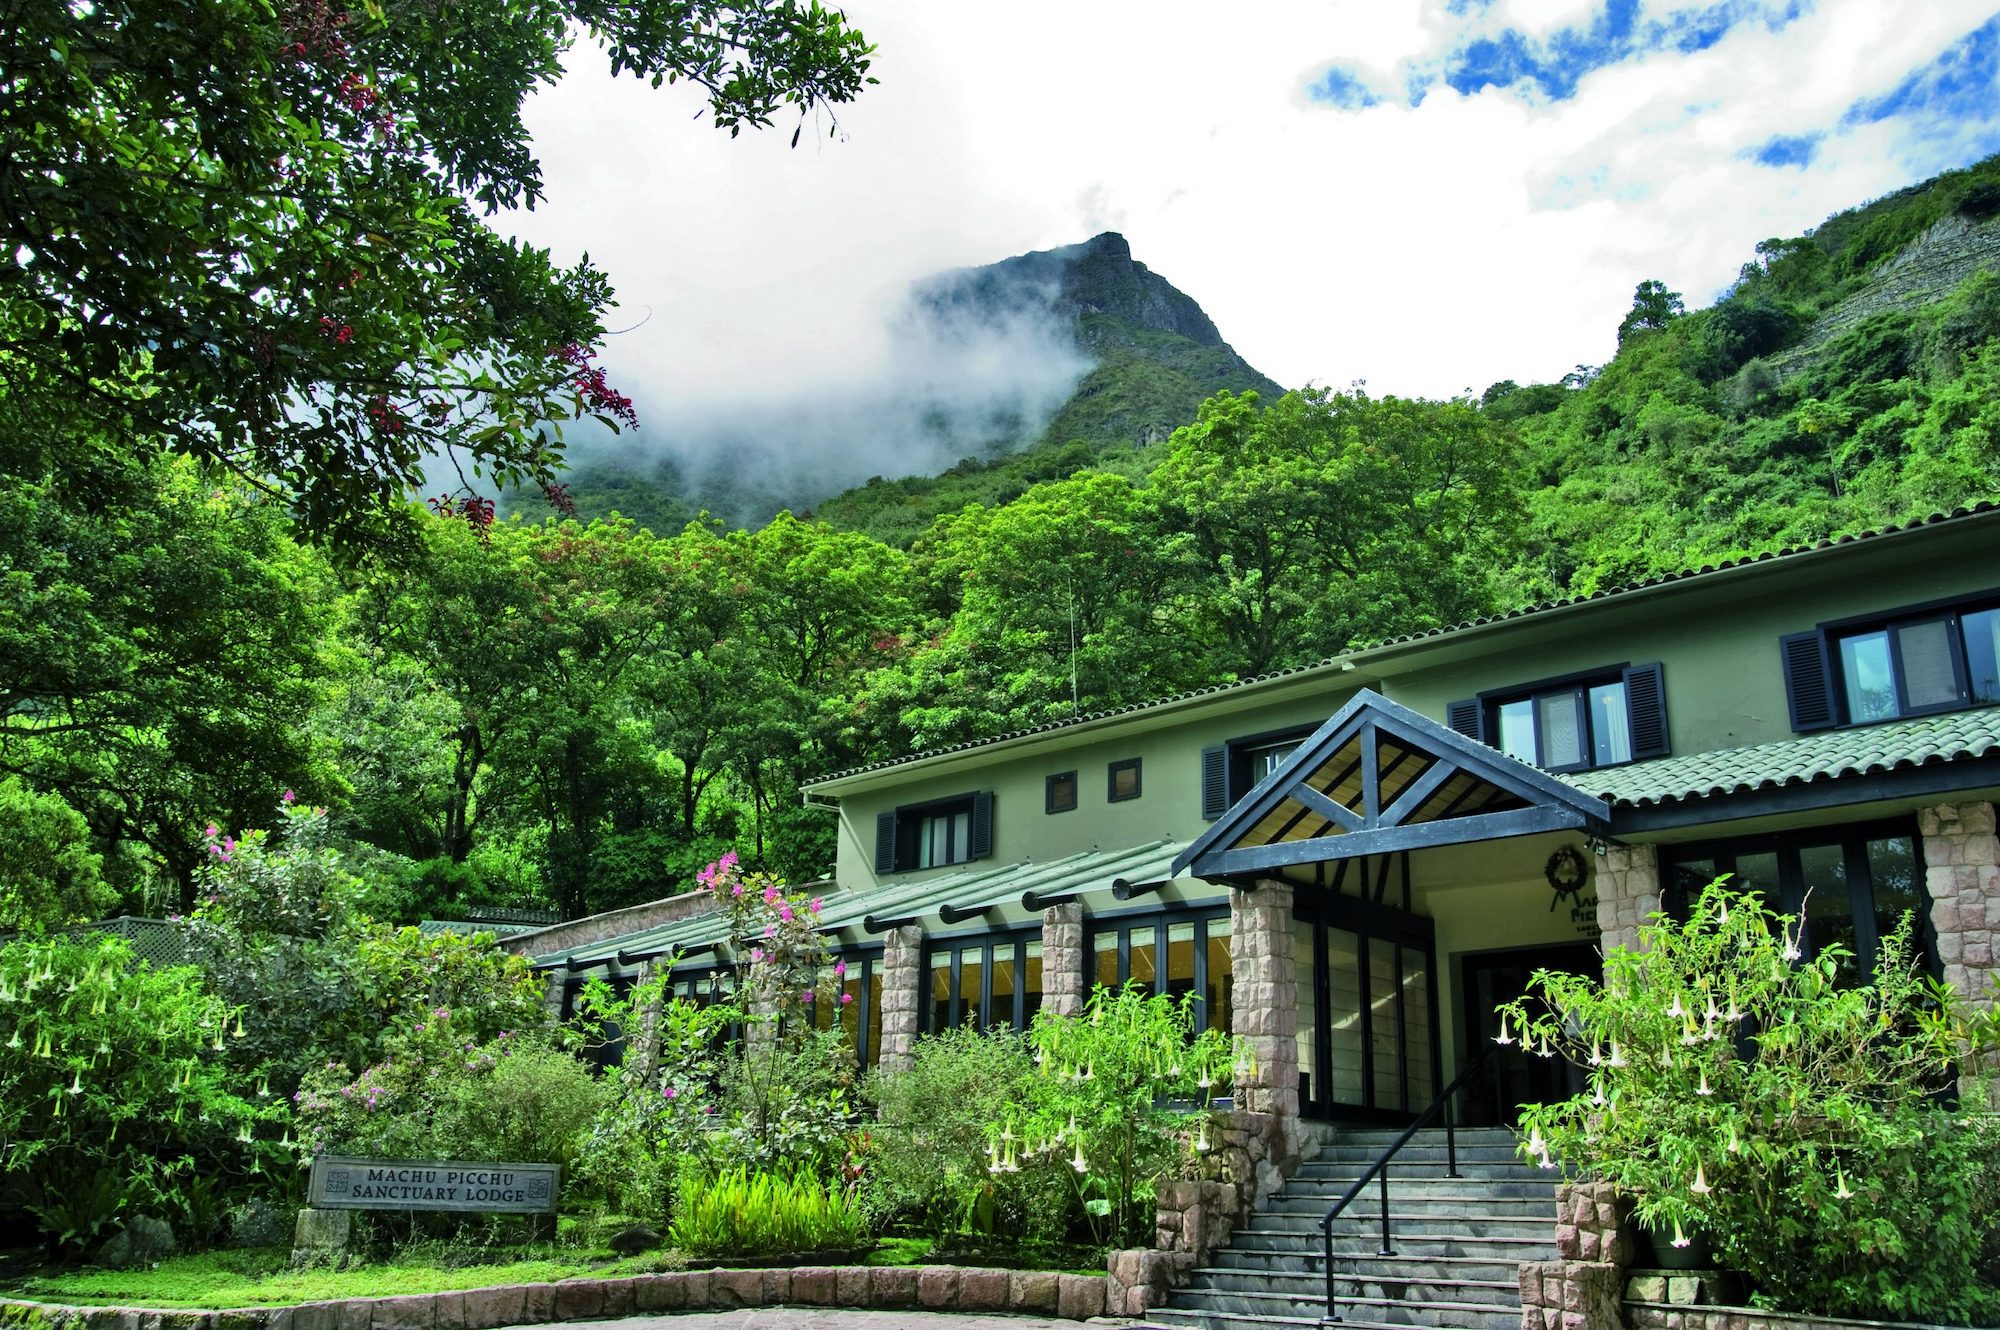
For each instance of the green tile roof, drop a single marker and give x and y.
(976, 888)
(1830, 755)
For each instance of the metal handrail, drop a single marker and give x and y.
(1378, 1172)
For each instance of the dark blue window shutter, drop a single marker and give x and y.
(1214, 781)
(885, 842)
(1646, 705)
(981, 843)
(1464, 716)
(1808, 681)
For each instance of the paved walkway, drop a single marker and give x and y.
(832, 1318)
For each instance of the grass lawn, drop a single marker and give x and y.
(259, 1278)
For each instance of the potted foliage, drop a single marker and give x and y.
(1776, 1105)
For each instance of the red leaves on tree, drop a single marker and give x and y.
(560, 498)
(590, 384)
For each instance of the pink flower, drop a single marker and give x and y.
(669, 1092)
(816, 901)
(770, 895)
(770, 930)
(757, 954)
(785, 913)
(287, 797)
(738, 890)
(840, 969)
(846, 998)
(808, 995)
(212, 831)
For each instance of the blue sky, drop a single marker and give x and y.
(1428, 195)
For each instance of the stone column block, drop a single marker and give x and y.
(902, 995)
(1064, 973)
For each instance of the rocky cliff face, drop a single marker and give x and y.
(1923, 273)
(1108, 299)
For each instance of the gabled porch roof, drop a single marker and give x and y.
(1379, 778)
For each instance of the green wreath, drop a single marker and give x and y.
(1567, 870)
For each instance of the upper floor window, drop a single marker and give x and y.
(1059, 796)
(1123, 782)
(1573, 724)
(1231, 770)
(932, 835)
(1910, 664)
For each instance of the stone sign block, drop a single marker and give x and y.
(340, 1183)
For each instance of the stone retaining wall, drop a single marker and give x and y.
(932, 1287)
(1662, 1316)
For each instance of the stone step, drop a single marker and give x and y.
(1415, 1286)
(1390, 1311)
(1399, 1167)
(1429, 1241)
(1406, 1262)
(1511, 1187)
(1410, 1201)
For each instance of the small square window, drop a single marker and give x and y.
(1061, 793)
(1124, 780)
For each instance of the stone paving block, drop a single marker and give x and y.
(1032, 1291)
(659, 1293)
(1079, 1297)
(777, 1287)
(813, 1286)
(982, 1290)
(853, 1286)
(578, 1300)
(736, 1288)
(937, 1287)
(407, 1313)
(894, 1286)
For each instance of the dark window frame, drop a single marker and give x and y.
(1111, 774)
(1648, 732)
(1049, 787)
(1127, 922)
(1816, 682)
(898, 831)
(1853, 839)
(986, 944)
(868, 961)
(1226, 767)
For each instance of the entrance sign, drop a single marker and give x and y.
(343, 1183)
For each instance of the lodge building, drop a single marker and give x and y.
(1350, 864)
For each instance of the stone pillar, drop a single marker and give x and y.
(552, 996)
(1064, 971)
(1266, 1014)
(1962, 877)
(1628, 893)
(902, 995)
(1583, 1290)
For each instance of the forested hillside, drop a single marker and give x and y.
(579, 713)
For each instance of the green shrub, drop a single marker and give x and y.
(1107, 1084)
(1786, 1111)
(113, 1096)
(926, 1163)
(743, 1212)
(439, 1095)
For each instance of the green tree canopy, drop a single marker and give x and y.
(249, 230)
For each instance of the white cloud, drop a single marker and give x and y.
(1426, 249)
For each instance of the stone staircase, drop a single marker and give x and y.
(1457, 1241)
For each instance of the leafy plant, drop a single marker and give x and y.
(1105, 1100)
(744, 1212)
(112, 1070)
(1776, 1106)
(926, 1163)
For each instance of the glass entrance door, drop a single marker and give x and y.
(1512, 1076)
(1373, 1050)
